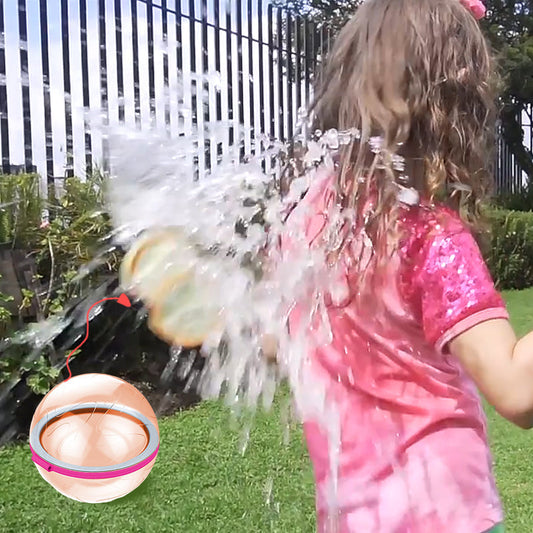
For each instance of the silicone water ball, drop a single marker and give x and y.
(94, 438)
(161, 270)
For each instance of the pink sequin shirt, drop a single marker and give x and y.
(414, 455)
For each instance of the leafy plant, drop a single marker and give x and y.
(72, 238)
(63, 244)
(42, 375)
(5, 314)
(522, 201)
(22, 207)
(510, 256)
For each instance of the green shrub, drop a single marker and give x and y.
(522, 201)
(21, 211)
(73, 239)
(61, 247)
(510, 256)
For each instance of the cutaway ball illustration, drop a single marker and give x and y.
(94, 438)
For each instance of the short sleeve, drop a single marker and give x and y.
(455, 287)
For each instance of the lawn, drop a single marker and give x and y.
(202, 482)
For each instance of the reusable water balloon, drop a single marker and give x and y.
(155, 255)
(94, 438)
(160, 269)
(184, 314)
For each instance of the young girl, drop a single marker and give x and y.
(414, 454)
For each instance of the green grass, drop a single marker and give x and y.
(510, 445)
(201, 482)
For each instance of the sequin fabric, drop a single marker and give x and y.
(414, 453)
(444, 275)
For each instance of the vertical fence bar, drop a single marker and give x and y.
(205, 85)
(179, 36)
(279, 30)
(270, 15)
(120, 59)
(69, 152)
(136, 74)
(164, 15)
(151, 65)
(229, 67)
(4, 117)
(508, 176)
(85, 85)
(518, 169)
(501, 161)
(218, 65)
(218, 68)
(192, 44)
(104, 98)
(290, 75)
(25, 83)
(251, 102)
(530, 116)
(312, 64)
(240, 67)
(529, 111)
(305, 64)
(179, 60)
(194, 82)
(504, 168)
(309, 49)
(496, 161)
(261, 59)
(298, 63)
(322, 41)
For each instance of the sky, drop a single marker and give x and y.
(178, 90)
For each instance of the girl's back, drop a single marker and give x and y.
(414, 452)
(420, 324)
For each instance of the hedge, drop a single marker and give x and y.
(510, 256)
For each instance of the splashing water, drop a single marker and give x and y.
(152, 187)
(236, 218)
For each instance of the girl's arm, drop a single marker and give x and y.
(464, 314)
(500, 366)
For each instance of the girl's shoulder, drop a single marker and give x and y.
(428, 222)
(428, 231)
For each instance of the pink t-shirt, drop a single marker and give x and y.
(414, 453)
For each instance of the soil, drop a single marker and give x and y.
(166, 403)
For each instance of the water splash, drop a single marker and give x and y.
(236, 218)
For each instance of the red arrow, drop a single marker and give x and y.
(122, 300)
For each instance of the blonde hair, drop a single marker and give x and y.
(420, 75)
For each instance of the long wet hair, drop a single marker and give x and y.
(420, 75)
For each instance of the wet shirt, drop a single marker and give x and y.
(414, 454)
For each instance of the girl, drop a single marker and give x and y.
(414, 455)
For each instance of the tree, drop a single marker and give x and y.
(332, 13)
(509, 28)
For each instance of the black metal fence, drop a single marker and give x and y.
(140, 62)
(509, 176)
(69, 68)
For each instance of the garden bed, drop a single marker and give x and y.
(119, 344)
